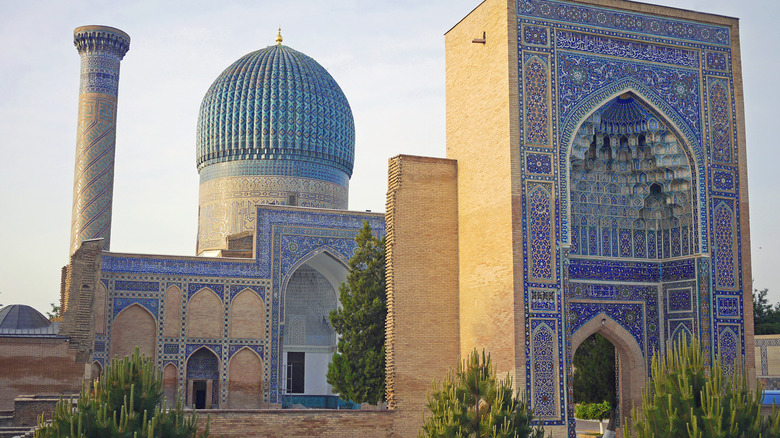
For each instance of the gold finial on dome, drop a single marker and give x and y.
(279, 38)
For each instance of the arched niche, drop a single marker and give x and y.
(310, 294)
(170, 383)
(247, 316)
(134, 326)
(100, 306)
(205, 315)
(632, 368)
(245, 380)
(172, 321)
(96, 371)
(631, 185)
(203, 370)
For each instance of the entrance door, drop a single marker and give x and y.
(199, 387)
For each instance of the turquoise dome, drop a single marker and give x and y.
(278, 112)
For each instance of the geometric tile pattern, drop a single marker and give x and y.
(286, 238)
(296, 112)
(101, 50)
(639, 112)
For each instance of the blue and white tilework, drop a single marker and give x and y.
(637, 215)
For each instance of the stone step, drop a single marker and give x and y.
(11, 432)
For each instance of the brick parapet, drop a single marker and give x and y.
(273, 423)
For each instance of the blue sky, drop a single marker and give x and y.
(388, 58)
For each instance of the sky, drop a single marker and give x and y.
(388, 58)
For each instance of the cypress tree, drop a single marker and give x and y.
(357, 371)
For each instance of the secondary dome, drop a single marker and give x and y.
(277, 104)
(21, 317)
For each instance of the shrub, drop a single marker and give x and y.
(127, 401)
(593, 411)
(688, 399)
(472, 402)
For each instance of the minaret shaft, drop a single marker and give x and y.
(102, 49)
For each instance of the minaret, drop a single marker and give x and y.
(102, 49)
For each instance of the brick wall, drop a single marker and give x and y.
(482, 104)
(37, 366)
(290, 423)
(422, 283)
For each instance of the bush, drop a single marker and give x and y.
(472, 402)
(127, 401)
(688, 399)
(593, 411)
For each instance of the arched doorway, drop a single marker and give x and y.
(631, 362)
(309, 339)
(203, 379)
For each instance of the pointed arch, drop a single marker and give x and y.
(205, 315)
(97, 371)
(632, 360)
(170, 383)
(655, 152)
(172, 321)
(134, 326)
(247, 316)
(100, 305)
(246, 380)
(203, 366)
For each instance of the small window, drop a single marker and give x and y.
(292, 199)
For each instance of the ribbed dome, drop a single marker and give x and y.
(279, 105)
(21, 317)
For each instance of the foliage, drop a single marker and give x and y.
(127, 402)
(687, 398)
(594, 371)
(357, 371)
(766, 318)
(54, 313)
(472, 402)
(593, 411)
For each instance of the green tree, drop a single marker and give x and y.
(357, 371)
(594, 371)
(54, 313)
(766, 318)
(472, 402)
(688, 399)
(127, 402)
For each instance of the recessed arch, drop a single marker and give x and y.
(97, 370)
(172, 320)
(203, 371)
(246, 316)
(246, 381)
(310, 293)
(170, 383)
(205, 315)
(632, 360)
(134, 326)
(100, 304)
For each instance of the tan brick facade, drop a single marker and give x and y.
(300, 423)
(422, 283)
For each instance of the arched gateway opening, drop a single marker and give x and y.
(311, 293)
(632, 212)
(631, 363)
